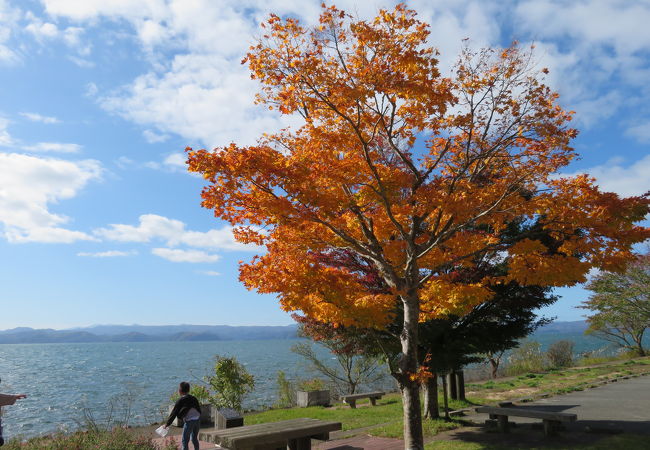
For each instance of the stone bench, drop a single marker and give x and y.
(551, 419)
(295, 434)
(351, 399)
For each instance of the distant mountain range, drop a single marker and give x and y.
(143, 333)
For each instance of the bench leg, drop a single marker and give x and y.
(373, 400)
(352, 403)
(503, 423)
(299, 444)
(551, 427)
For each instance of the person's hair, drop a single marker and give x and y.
(184, 387)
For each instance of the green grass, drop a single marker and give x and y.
(388, 410)
(429, 428)
(557, 381)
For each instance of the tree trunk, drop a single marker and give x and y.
(452, 391)
(413, 437)
(431, 398)
(444, 396)
(638, 340)
(459, 378)
(494, 364)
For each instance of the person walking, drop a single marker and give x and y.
(6, 400)
(188, 410)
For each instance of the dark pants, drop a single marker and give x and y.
(191, 428)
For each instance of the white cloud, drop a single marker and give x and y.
(81, 62)
(5, 138)
(91, 90)
(154, 138)
(210, 273)
(29, 185)
(173, 232)
(9, 16)
(640, 132)
(60, 147)
(176, 160)
(191, 256)
(196, 87)
(107, 254)
(613, 176)
(34, 117)
(45, 32)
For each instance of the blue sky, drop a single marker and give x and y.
(99, 221)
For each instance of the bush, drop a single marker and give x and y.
(116, 439)
(201, 393)
(312, 384)
(286, 391)
(560, 354)
(230, 383)
(528, 357)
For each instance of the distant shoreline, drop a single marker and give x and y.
(142, 333)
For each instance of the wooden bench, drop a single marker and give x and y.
(551, 419)
(295, 434)
(351, 399)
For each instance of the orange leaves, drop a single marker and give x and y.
(418, 174)
(440, 297)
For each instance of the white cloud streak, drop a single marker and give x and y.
(60, 147)
(35, 117)
(188, 256)
(173, 232)
(633, 179)
(108, 254)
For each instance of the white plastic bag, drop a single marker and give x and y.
(162, 431)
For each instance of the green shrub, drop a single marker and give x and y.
(312, 384)
(560, 354)
(286, 391)
(230, 383)
(528, 357)
(201, 393)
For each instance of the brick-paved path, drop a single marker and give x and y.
(162, 442)
(355, 443)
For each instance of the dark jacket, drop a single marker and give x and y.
(182, 406)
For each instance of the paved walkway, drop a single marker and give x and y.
(622, 406)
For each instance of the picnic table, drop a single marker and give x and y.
(551, 419)
(294, 434)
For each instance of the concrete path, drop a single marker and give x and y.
(621, 406)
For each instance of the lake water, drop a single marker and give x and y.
(136, 379)
(63, 380)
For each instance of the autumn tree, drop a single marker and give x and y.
(620, 305)
(412, 170)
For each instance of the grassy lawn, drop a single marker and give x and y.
(387, 414)
(553, 381)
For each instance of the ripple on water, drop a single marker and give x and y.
(63, 380)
